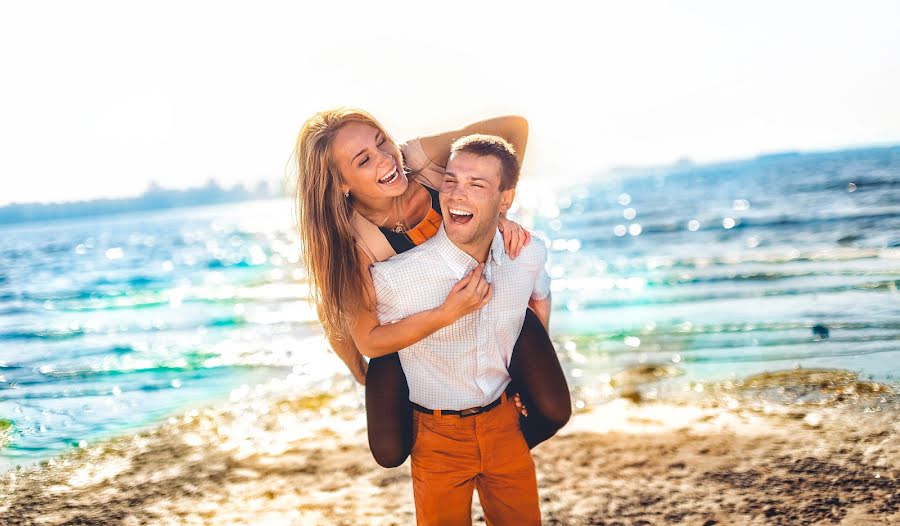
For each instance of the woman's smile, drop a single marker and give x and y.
(390, 178)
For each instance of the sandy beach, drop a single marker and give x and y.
(304, 460)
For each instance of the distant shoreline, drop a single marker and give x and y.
(155, 198)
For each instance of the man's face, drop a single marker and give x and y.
(471, 199)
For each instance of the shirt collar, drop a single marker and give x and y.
(460, 262)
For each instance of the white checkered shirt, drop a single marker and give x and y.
(466, 363)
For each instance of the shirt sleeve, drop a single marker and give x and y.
(542, 280)
(386, 306)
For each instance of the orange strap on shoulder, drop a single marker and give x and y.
(426, 229)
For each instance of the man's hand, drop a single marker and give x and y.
(519, 405)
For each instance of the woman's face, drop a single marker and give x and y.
(371, 164)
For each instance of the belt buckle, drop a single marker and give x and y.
(470, 411)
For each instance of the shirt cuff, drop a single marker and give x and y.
(541, 286)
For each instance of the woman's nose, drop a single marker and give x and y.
(385, 157)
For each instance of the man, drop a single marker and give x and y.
(466, 431)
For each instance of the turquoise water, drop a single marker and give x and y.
(780, 263)
(110, 324)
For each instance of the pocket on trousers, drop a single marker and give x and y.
(441, 448)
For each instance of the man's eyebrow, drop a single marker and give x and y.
(449, 174)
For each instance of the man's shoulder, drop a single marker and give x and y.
(534, 253)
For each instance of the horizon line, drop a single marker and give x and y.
(682, 162)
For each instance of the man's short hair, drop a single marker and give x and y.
(492, 146)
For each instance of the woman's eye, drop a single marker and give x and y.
(382, 142)
(364, 161)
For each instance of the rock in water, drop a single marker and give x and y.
(643, 374)
(820, 332)
(820, 378)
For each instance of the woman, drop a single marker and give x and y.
(358, 203)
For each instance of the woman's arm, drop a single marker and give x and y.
(373, 340)
(348, 353)
(513, 128)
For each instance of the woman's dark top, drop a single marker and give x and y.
(401, 242)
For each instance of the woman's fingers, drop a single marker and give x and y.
(489, 293)
(476, 291)
(481, 287)
(461, 284)
(520, 240)
(477, 277)
(514, 237)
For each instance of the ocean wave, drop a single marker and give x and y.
(731, 295)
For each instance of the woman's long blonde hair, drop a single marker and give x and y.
(323, 218)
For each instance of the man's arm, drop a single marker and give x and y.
(540, 296)
(542, 309)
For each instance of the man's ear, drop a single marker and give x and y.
(506, 200)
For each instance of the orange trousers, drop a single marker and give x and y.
(453, 455)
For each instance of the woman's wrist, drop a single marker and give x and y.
(442, 317)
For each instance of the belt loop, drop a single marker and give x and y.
(503, 396)
(437, 415)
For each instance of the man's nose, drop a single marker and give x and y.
(457, 191)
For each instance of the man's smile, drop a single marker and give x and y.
(460, 216)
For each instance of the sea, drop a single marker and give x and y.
(775, 275)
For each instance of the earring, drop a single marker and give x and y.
(347, 194)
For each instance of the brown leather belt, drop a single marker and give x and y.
(472, 411)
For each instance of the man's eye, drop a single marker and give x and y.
(478, 185)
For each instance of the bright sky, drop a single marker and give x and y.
(100, 98)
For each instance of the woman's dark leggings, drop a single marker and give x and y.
(536, 376)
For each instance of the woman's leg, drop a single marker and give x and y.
(539, 379)
(388, 412)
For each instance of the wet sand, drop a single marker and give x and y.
(305, 461)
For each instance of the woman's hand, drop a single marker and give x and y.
(514, 237)
(470, 294)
